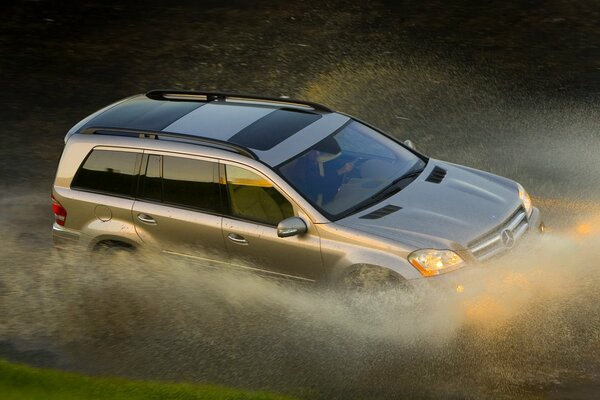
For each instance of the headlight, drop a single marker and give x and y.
(431, 262)
(526, 200)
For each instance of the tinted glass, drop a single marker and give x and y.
(191, 183)
(349, 170)
(108, 171)
(273, 129)
(254, 198)
(144, 113)
(151, 187)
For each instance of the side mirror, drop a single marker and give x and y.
(291, 227)
(408, 143)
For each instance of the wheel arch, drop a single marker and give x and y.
(110, 241)
(357, 266)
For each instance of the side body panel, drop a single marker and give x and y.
(180, 232)
(297, 256)
(97, 217)
(343, 248)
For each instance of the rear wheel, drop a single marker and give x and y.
(112, 252)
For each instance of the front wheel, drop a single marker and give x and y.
(368, 279)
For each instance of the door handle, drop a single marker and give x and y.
(145, 218)
(238, 239)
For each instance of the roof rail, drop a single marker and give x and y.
(147, 134)
(188, 95)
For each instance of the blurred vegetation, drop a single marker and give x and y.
(19, 382)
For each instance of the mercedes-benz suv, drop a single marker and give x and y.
(284, 187)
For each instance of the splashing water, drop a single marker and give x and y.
(526, 321)
(522, 326)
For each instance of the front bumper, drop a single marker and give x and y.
(456, 279)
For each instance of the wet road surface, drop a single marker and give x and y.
(509, 89)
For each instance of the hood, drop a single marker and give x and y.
(464, 205)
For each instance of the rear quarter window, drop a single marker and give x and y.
(108, 171)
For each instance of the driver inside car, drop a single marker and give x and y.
(318, 174)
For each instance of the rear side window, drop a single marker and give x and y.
(107, 171)
(151, 187)
(183, 182)
(192, 183)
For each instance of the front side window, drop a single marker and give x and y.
(109, 171)
(254, 198)
(351, 169)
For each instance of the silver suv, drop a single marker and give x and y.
(283, 187)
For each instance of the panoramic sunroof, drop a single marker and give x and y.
(143, 113)
(273, 129)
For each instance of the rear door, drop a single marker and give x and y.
(179, 205)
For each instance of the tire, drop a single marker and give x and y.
(110, 253)
(369, 279)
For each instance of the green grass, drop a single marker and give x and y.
(20, 382)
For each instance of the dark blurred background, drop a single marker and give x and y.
(480, 72)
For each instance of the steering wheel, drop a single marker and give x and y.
(355, 172)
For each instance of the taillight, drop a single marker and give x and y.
(60, 214)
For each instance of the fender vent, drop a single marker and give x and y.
(382, 212)
(437, 175)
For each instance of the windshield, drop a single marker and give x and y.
(350, 170)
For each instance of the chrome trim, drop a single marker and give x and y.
(145, 218)
(521, 231)
(237, 265)
(63, 237)
(490, 244)
(56, 228)
(237, 239)
(485, 244)
(516, 221)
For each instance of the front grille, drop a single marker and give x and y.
(493, 243)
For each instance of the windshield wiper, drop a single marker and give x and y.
(395, 185)
(410, 174)
(390, 189)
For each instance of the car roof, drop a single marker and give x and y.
(272, 130)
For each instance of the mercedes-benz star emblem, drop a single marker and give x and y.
(508, 240)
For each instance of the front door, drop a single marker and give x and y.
(250, 229)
